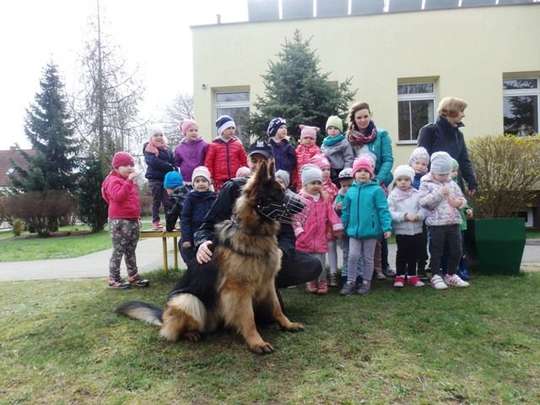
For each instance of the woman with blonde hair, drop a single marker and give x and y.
(444, 136)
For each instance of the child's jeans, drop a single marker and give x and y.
(361, 252)
(159, 196)
(444, 237)
(125, 236)
(409, 250)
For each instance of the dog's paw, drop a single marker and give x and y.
(192, 336)
(261, 348)
(294, 327)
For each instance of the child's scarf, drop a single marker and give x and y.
(332, 140)
(153, 147)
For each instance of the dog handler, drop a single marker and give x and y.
(296, 267)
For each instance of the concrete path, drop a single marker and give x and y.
(148, 259)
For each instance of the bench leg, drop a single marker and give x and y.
(165, 260)
(175, 241)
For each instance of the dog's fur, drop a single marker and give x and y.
(248, 260)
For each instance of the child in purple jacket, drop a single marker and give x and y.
(191, 151)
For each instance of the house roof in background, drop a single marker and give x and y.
(6, 156)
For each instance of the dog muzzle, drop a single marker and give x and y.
(290, 207)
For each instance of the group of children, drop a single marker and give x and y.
(423, 208)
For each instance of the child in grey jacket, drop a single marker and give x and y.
(337, 148)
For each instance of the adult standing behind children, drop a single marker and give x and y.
(191, 151)
(159, 160)
(225, 154)
(283, 151)
(444, 135)
(366, 138)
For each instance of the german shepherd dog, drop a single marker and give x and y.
(247, 258)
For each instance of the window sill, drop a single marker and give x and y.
(406, 142)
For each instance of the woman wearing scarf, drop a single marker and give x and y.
(366, 138)
(159, 160)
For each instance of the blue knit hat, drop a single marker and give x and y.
(274, 125)
(224, 122)
(172, 180)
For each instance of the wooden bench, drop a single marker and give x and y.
(164, 235)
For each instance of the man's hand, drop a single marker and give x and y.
(204, 254)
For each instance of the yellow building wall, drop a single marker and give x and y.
(466, 50)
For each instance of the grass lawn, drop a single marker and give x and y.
(533, 234)
(61, 342)
(30, 247)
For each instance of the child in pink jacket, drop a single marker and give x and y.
(305, 151)
(311, 235)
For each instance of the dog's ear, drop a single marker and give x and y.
(271, 169)
(261, 175)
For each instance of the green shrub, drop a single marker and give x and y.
(18, 227)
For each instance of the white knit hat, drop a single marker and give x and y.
(201, 171)
(419, 153)
(311, 173)
(404, 171)
(441, 163)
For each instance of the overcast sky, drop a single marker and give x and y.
(153, 35)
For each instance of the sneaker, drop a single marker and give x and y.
(380, 275)
(348, 289)
(464, 275)
(364, 288)
(119, 284)
(455, 281)
(438, 283)
(333, 280)
(399, 281)
(322, 288)
(389, 272)
(312, 287)
(137, 281)
(415, 281)
(156, 226)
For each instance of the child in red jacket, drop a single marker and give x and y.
(225, 154)
(122, 195)
(312, 234)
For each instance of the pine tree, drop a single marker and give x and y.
(48, 126)
(296, 89)
(92, 207)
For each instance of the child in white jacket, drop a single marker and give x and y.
(407, 220)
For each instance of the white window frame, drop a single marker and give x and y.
(414, 97)
(524, 92)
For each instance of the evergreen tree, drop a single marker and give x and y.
(296, 89)
(92, 207)
(48, 126)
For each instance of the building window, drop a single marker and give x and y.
(416, 103)
(235, 104)
(520, 106)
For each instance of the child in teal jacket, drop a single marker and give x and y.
(365, 218)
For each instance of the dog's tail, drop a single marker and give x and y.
(141, 311)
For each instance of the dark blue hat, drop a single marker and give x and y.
(274, 125)
(261, 148)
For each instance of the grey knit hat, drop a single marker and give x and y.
(441, 163)
(311, 173)
(283, 175)
(419, 153)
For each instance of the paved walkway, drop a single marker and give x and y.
(148, 259)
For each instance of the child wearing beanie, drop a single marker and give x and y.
(197, 204)
(336, 147)
(407, 220)
(226, 153)
(345, 181)
(191, 151)
(177, 190)
(283, 151)
(121, 194)
(283, 178)
(319, 215)
(243, 171)
(466, 213)
(419, 161)
(442, 198)
(366, 218)
(306, 149)
(331, 192)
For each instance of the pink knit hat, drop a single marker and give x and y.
(122, 159)
(307, 131)
(363, 162)
(186, 125)
(321, 161)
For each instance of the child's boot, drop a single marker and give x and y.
(312, 287)
(415, 281)
(118, 284)
(364, 288)
(348, 289)
(137, 281)
(399, 281)
(322, 288)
